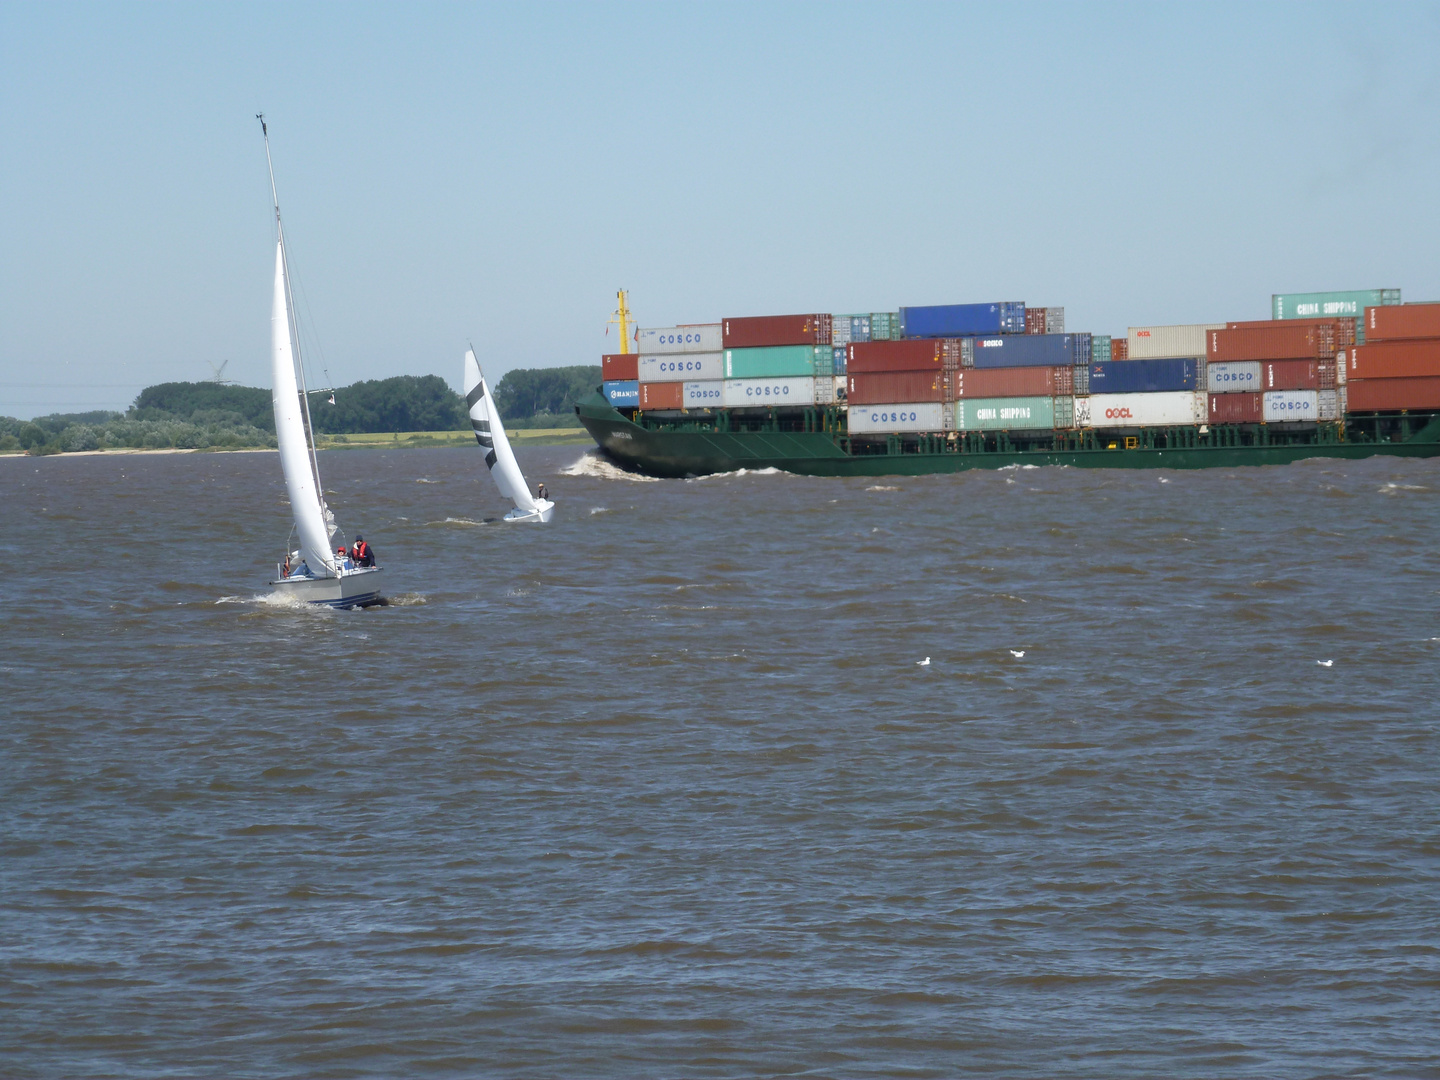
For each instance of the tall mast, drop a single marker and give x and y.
(291, 317)
(622, 317)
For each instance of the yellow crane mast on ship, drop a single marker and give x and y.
(622, 316)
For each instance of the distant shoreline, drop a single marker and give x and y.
(403, 440)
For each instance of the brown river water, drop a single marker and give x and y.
(662, 789)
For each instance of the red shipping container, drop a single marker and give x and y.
(896, 387)
(1014, 382)
(616, 367)
(662, 395)
(1344, 329)
(874, 356)
(761, 330)
(1387, 395)
(1292, 375)
(1393, 360)
(1402, 322)
(1277, 340)
(1119, 348)
(1034, 320)
(1237, 408)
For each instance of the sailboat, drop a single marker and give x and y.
(490, 434)
(312, 571)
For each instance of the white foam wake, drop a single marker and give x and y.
(593, 465)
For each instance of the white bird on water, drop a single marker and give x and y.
(923, 663)
(1324, 663)
(1018, 654)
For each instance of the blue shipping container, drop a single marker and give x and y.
(859, 327)
(962, 320)
(1032, 350)
(623, 393)
(1144, 376)
(838, 367)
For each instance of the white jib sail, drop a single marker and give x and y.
(305, 502)
(490, 434)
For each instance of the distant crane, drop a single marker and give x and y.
(219, 379)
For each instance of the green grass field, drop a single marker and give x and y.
(519, 436)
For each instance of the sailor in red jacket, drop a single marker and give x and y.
(361, 553)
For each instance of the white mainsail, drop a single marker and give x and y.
(306, 503)
(490, 434)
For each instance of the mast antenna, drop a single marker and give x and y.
(624, 318)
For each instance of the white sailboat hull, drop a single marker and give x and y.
(543, 511)
(353, 588)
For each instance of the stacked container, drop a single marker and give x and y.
(671, 359)
(907, 383)
(1332, 305)
(1398, 367)
(1283, 371)
(777, 360)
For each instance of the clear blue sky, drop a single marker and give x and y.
(495, 172)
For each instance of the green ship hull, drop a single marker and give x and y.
(813, 442)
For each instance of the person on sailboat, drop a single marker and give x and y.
(362, 553)
(342, 558)
(542, 491)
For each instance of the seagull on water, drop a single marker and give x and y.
(1324, 663)
(1018, 654)
(923, 663)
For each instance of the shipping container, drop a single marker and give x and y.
(886, 419)
(1034, 320)
(859, 328)
(824, 361)
(1119, 348)
(674, 367)
(894, 387)
(704, 395)
(662, 395)
(779, 361)
(1054, 320)
(1275, 341)
(1393, 360)
(1159, 342)
(840, 330)
(1343, 329)
(696, 337)
(1330, 404)
(1100, 349)
(763, 331)
(838, 389)
(1009, 414)
(1081, 376)
(867, 356)
(1292, 375)
(1283, 405)
(1406, 322)
(622, 393)
(1015, 382)
(617, 367)
(1232, 408)
(962, 320)
(750, 393)
(1031, 350)
(884, 326)
(1320, 305)
(838, 359)
(1145, 376)
(1391, 395)
(1142, 410)
(1233, 377)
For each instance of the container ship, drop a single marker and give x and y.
(963, 386)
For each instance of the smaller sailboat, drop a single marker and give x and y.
(313, 572)
(490, 434)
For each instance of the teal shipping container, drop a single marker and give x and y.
(1100, 349)
(1332, 305)
(1013, 414)
(885, 326)
(775, 361)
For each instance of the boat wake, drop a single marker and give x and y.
(592, 464)
(464, 523)
(409, 599)
(770, 471)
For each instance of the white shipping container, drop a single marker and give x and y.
(1054, 320)
(698, 337)
(756, 393)
(1328, 404)
(1291, 405)
(675, 367)
(840, 385)
(877, 419)
(1156, 342)
(839, 329)
(1142, 410)
(703, 395)
(1229, 377)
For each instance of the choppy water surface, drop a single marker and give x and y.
(660, 789)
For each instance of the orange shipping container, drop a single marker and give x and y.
(618, 367)
(662, 395)
(897, 387)
(1389, 395)
(1237, 408)
(1119, 348)
(1343, 329)
(1393, 360)
(1271, 341)
(1014, 382)
(1402, 322)
(875, 356)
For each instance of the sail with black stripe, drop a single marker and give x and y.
(490, 434)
